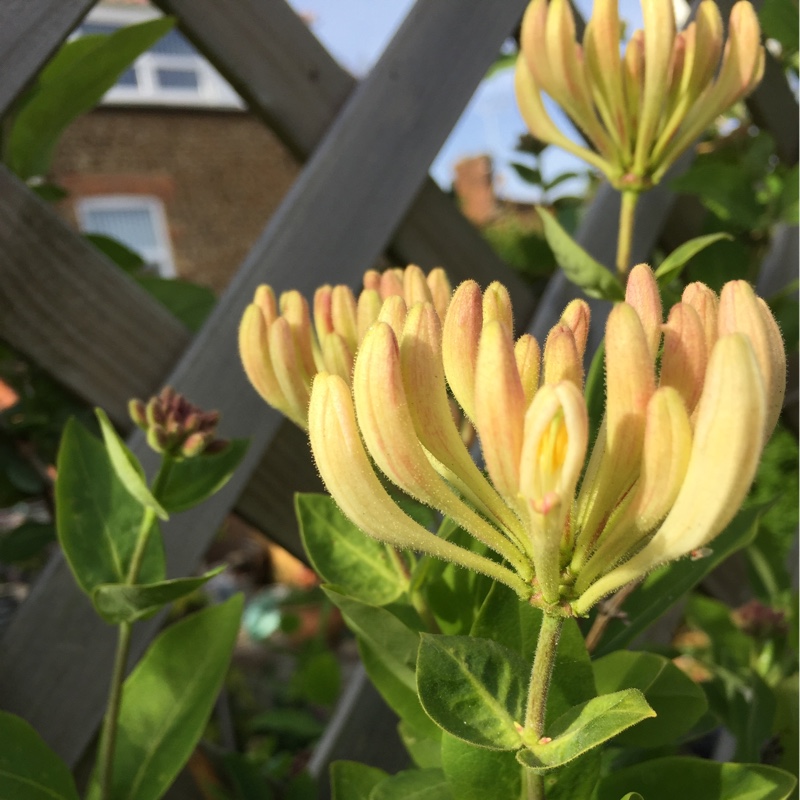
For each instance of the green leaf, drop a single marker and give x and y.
(573, 679)
(595, 391)
(751, 718)
(672, 266)
(188, 302)
(416, 784)
(127, 466)
(528, 174)
(789, 197)
(353, 781)
(667, 585)
(97, 519)
(125, 258)
(118, 602)
(786, 722)
(561, 178)
(70, 85)
(779, 20)
(293, 723)
(584, 727)
(193, 480)
(26, 541)
(344, 555)
(677, 700)
(29, 769)
(576, 779)
(725, 189)
(508, 621)
(578, 266)
(474, 689)
(317, 678)
(168, 698)
(633, 796)
(425, 752)
(475, 773)
(697, 779)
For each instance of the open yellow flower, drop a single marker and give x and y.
(672, 462)
(638, 111)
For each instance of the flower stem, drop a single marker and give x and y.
(627, 214)
(543, 661)
(108, 736)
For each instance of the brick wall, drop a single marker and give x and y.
(220, 175)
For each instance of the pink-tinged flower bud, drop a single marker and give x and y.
(562, 361)
(337, 357)
(137, 411)
(264, 298)
(394, 312)
(665, 458)
(499, 408)
(642, 293)
(497, 306)
(460, 336)
(367, 311)
(740, 312)
(158, 439)
(254, 351)
(345, 315)
(633, 74)
(528, 356)
(441, 291)
(555, 439)
(423, 375)
(323, 319)
(576, 317)
(292, 378)
(195, 444)
(415, 286)
(382, 411)
(683, 363)
(372, 280)
(615, 460)
(349, 477)
(392, 283)
(294, 309)
(706, 304)
(726, 448)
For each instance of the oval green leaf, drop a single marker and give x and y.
(194, 480)
(672, 266)
(168, 698)
(475, 773)
(578, 266)
(127, 466)
(97, 519)
(585, 727)
(473, 688)
(414, 784)
(118, 602)
(344, 555)
(677, 700)
(353, 781)
(28, 767)
(697, 779)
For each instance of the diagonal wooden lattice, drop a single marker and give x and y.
(364, 190)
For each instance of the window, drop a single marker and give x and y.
(172, 72)
(138, 222)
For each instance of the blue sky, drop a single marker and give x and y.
(356, 32)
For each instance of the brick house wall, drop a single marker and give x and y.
(219, 175)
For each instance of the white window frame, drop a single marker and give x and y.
(161, 255)
(212, 91)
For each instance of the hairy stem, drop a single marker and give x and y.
(627, 214)
(537, 693)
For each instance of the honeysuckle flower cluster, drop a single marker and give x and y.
(282, 351)
(638, 110)
(176, 427)
(672, 461)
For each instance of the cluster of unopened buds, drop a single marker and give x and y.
(689, 405)
(638, 110)
(176, 427)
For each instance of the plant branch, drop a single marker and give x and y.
(607, 611)
(627, 215)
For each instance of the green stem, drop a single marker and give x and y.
(627, 214)
(542, 670)
(108, 736)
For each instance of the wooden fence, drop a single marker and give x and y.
(363, 191)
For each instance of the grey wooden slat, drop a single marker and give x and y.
(288, 78)
(29, 34)
(370, 165)
(75, 313)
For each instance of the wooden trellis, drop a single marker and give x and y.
(364, 191)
